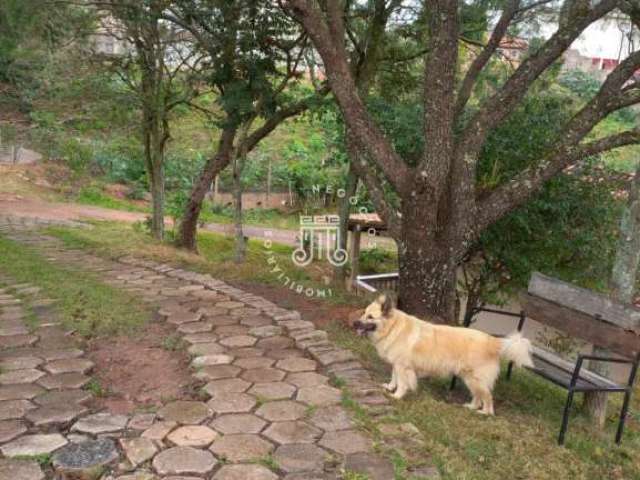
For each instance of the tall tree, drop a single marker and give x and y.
(442, 210)
(154, 60)
(254, 53)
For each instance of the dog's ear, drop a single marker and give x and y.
(387, 302)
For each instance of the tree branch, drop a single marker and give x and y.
(567, 148)
(496, 108)
(478, 64)
(517, 191)
(369, 137)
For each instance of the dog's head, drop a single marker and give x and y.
(375, 314)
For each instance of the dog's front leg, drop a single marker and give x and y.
(393, 384)
(407, 380)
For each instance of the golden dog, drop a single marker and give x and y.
(417, 348)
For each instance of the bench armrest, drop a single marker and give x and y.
(608, 359)
(582, 358)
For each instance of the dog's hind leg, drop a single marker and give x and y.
(482, 401)
(393, 384)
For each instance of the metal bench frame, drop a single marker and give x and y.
(572, 386)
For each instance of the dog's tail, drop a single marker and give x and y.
(517, 349)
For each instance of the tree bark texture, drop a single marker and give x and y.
(215, 164)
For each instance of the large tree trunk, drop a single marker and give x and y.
(623, 284)
(427, 272)
(214, 165)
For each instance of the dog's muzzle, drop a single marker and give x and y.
(363, 328)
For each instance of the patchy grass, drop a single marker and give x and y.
(173, 342)
(93, 195)
(84, 303)
(96, 388)
(519, 443)
(265, 265)
(261, 217)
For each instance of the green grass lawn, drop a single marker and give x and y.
(520, 442)
(93, 195)
(84, 303)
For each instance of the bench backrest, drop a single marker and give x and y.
(583, 314)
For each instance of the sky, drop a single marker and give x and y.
(603, 39)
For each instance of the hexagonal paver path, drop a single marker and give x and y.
(267, 409)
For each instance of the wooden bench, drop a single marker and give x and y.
(583, 315)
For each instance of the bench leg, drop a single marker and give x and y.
(565, 418)
(623, 415)
(509, 370)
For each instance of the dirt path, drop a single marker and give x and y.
(19, 206)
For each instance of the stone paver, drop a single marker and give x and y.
(20, 376)
(192, 436)
(346, 442)
(158, 431)
(185, 412)
(331, 418)
(72, 380)
(238, 423)
(371, 465)
(67, 365)
(31, 445)
(56, 397)
(319, 395)
(263, 375)
(306, 379)
(254, 362)
(238, 341)
(297, 365)
(10, 429)
(11, 409)
(300, 457)
(245, 472)
(20, 363)
(85, 459)
(273, 390)
(195, 327)
(281, 411)
(55, 414)
(100, 423)
(138, 450)
(11, 469)
(206, 349)
(217, 372)
(232, 403)
(15, 392)
(241, 447)
(184, 461)
(292, 432)
(223, 387)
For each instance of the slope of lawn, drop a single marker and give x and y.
(85, 304)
